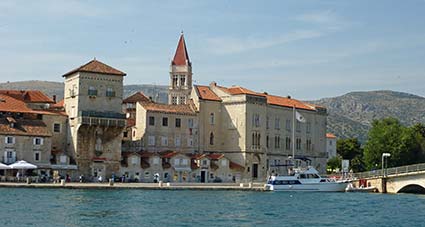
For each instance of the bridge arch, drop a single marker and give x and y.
(412, 188)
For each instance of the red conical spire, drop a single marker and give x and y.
(181, 57)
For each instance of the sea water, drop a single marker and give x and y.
(95, 207)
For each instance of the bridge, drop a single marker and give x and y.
(402, 179)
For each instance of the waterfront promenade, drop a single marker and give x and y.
(153, 186)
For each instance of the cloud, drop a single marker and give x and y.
(230, 45)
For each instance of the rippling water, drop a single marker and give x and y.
(65, 207)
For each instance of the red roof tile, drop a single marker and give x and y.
(236, 166)
(206, 93)
(288, 102)
(136, 97)
(165, 108)
(58, 105)
(215, 156)
(95, 66)
(9, 104)
(237, 90)
(24, 128)
(181, 57)
(330, 135)
(28, 96)
(168, 154)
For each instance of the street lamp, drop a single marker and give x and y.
(384, 155)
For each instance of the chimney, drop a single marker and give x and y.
(213, 84)
(289, 97)
(265, 93)
(54, 98)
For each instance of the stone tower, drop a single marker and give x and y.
(93, 102)
(180, 75)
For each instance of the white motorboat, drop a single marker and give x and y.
(305, 180)
(351, 188)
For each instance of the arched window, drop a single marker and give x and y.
(211, 118)
(98, 146)
(211, 138)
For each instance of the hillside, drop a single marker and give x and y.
(351, 115)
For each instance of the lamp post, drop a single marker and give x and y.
(384, 155)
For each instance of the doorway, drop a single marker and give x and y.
(255, 171)
(203, 176)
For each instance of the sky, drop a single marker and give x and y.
(308, 49)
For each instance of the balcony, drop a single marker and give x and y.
(107, 119)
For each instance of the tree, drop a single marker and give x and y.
(351, 149)
(389, 136)
(334, 163)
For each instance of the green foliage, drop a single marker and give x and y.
(334, 163)
(351, 149)
(405, 144)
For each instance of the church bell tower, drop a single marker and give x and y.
(180, 75)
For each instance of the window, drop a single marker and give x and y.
(211, 118)
(288, 124)
(176, 162)
(130, 106)
(267, 141)
(190, 122)
(165, 121)
(155, 161)
(277, 142)
(38, 141)
(9, 156)
(152, 120)
(204, 162)
(288, 143)
(175, 81)
(190, 142)
(298, 144)
(37, 156)
(267, 122)
(182, 100)
(110, 92)
(308, 145)
(182, 80)
(151, 140)
(178, 122)
(98, 146)
(298, 126)
(308, 127)
(211, 138)
(223, 162)
(164, 141)
(9, 140)
(256, 120)
(92, 91)
(56, 127)
(125, 134)
(174, 100)
(177, 141)
(184, 162)
(330, 142)
(134, 160)
(277, 123)
(63, 159)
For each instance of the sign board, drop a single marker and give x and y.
(345, 165)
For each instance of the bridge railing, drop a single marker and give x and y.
(392, 171)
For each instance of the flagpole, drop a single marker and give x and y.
(293, 135)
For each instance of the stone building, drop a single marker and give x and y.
(331, 145)
(93, 101)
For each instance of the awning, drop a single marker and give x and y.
(72, 167)
(181, 169)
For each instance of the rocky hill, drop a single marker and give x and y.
(351, 115)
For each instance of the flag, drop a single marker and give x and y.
(299, 117)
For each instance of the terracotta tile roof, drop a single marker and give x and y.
(95, 66)
(28, 96)
(136, 97)
(58, 105)
(168, 154)
(330, 135)
(235, 166)
(165, 108)
(215, 156)
(198, 156)
(288, 102)
(205, 93)
(24, 128)
(9, 104)
(181, 57)
(237, 90)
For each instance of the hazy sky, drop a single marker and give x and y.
(308, 49)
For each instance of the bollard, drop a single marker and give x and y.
(111, 182)
(160, 184)
(62, 182)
